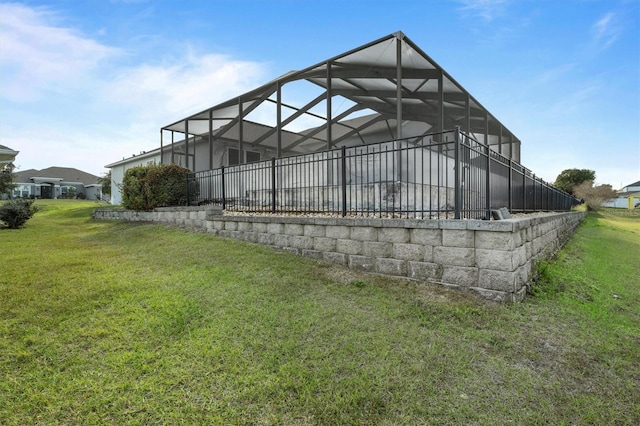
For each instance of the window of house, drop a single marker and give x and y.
(21, 191)
(68, 191)
(234, 156)
(252, 156)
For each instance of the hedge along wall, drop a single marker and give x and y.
(493, 258)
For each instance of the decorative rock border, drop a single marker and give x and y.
(493, 258)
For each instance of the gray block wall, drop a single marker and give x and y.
(496, 259)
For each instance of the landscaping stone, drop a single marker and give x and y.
(363, 234)
(324, 244)
(458, 238)
(415, 252)
(393, 235)
(376, 249)
(454, 256)
(362, 263)
(391, 267)
(425, 271)
(349, 247)
(461, 276)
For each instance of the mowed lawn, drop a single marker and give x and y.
(116, 323)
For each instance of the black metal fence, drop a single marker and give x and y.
(442, 175)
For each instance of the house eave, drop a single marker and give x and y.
(144, 155)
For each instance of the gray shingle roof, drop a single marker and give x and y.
(67, 174)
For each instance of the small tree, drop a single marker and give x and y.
(569, 179)
(105, 181)
(6, 179)
(15, 213)
(594, 196)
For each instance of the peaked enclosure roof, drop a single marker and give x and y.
(385, 90)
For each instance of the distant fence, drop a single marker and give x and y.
(446, 175)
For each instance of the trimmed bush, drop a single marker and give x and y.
(15, 213)
(147, 187)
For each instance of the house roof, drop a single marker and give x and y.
(7, 155)
(389, 85)
(141, 156)
(59, 174)
(633, 184)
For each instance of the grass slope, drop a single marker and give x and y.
(116, 323)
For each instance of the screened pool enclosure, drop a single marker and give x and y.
(381, 130)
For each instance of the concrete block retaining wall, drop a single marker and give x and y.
(493, 258)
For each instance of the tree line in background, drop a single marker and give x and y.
(580, 182)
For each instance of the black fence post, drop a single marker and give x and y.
(487, 213)
(524, 190)
(510, 202)
(224, 198)
(187, 178)
(457, 170)
(534, 193)
(344, 181)
(273, 184)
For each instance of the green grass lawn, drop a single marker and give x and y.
(117, 323)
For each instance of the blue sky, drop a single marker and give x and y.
(86, 83)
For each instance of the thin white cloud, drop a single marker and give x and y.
(151, 96)
(554, 74)
(572, 103)
(65, 93)
(185, 86)
(37, 55)
(486, 9)
(607, 30)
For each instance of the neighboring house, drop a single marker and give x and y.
(57, 182)
(628, 197)
(7, 155)
(388, 90)
(120, 167)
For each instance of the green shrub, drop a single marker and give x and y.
(15, 213)
(148, 187)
